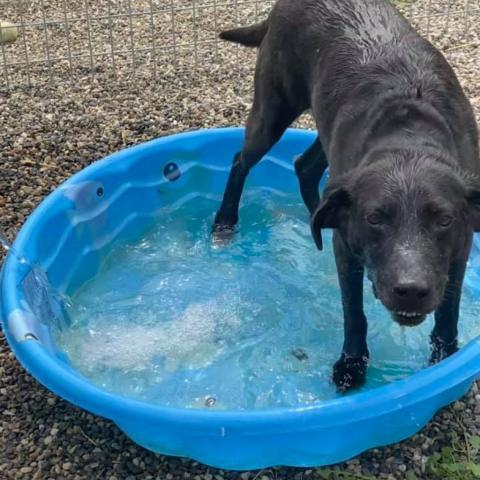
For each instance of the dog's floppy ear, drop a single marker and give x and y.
(329, 213)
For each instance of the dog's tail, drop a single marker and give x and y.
(248, 36)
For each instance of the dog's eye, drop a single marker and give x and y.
(445, 221)
(375, 219)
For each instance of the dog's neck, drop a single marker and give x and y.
(402, 121)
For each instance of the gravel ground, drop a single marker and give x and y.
(48, 132)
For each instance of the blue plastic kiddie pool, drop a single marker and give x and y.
(115, 201)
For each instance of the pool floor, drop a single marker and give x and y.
(176, 321)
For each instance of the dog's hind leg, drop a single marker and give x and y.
(270, 116)
(310, 168)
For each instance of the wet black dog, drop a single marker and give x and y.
(400, 139)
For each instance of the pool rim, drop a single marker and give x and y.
(58, 378)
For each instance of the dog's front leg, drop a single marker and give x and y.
(444, 335)
(350, 370)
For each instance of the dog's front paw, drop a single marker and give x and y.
(222, 234)
(350, 372)
(441, 349)
(223, 229)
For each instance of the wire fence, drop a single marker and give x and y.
(61, 40)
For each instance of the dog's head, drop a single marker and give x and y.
(406, 217)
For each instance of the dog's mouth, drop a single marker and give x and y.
(401, 315)
(408, 319)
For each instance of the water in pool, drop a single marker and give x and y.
(175, 321)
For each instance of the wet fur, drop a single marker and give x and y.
(393, 121)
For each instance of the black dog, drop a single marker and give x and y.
(401, 142)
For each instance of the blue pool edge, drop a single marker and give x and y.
(444, 382)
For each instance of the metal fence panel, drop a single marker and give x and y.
(71, 40)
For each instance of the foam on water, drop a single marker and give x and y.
(175, 321)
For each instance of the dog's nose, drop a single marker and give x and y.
(411, 292)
